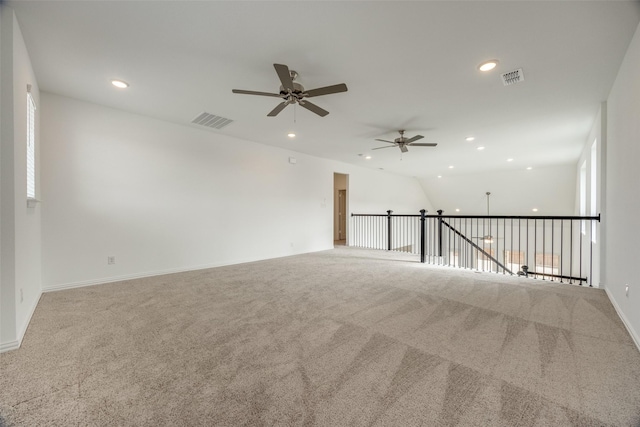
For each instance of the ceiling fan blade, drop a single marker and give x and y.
(284, 75)
(380, 148)
(279, 108)
(251, 92)
(326, 90)
(384, 140)
(415, 138)
(424, 144)
(313, 108)
(403, 148)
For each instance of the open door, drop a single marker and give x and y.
(342, 215)
(340, 208)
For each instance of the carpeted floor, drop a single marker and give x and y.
(336, 338)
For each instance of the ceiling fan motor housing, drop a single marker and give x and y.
(297, 92)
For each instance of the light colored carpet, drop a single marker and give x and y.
(336, 338)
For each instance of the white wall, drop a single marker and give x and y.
(622, 244)
(162, 197)
(20, 280)
(513, 192)
(373, 191)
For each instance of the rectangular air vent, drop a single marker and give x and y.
(513, 77)
(211, 121)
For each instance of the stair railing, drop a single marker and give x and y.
(557, 248)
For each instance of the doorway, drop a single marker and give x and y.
(340, 208)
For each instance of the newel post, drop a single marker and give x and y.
(440, 233)
(422, 236)
(389, 230)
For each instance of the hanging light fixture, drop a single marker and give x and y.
(488, 238)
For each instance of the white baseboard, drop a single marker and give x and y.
(627, 324)
(14, 345)
(10, 345)
(113, 279)
(32, 310)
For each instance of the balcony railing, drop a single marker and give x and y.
(557, 248)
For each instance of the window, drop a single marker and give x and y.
(514, 260)
(547, 263)
(594, 187)
(31, 145)
(514, 257)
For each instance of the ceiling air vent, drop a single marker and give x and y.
(513, 77)
(211, 121)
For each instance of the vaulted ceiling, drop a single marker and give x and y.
(407, 65)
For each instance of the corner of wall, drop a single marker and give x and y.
(20, 278)
(7, 271)
(635, 336)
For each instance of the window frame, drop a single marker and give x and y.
(31, 146)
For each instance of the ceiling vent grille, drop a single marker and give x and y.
(211, 121)
(513, 77)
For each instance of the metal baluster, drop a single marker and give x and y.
(580, 276)
(519, 241)
(449, 246)
(562, 250)
(459, 251)
(591, 253)
(571, 254)
(484, 233)
(552, 254)
(528, 253)
(511, 246)
(544, 221)
(464, 252)
(535, 246)
(504, 235)
(422, 236)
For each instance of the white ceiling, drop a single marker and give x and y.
(410, 65)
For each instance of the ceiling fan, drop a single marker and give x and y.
(293, 92)
(403, 142)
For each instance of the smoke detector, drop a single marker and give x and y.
(513, 77)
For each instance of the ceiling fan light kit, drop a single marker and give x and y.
(293, 92)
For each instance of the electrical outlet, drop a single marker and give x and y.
(111, 260)
(21, 295)
(626, 290)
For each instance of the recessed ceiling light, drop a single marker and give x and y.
(291, 135)
(470, 138)
(529, 168)
(439, 176)
(457, 210)
(509, 160)
(535, 209)
(450, 167)
(488, 65)
(367, 157)
(120, 84)
(480, 148)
